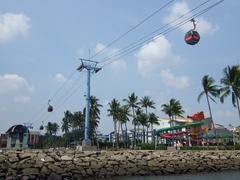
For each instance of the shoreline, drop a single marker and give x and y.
(67, 163)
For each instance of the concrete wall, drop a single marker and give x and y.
(57, 164)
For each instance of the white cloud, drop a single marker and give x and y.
(170, 79)
(60, 77)
(155, 55)
(117, 65)
(99, 47)
(14, 83)
(180, 8)
(12, 25)
(22, 99)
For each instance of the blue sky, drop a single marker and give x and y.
(40, 43)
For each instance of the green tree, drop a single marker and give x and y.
(132, 102)
(146, 102)
(49, 128)
(141, 119)
(66, 121)
(231, 85)
(153, 120)
(113, 111)
(94, 116)
(173, 109)
(177, 108)
(77, 124)
(167, 109)
(55, 128)
(211, 91)
(123, 118)
(77, 121)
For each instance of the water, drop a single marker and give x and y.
(227, 175)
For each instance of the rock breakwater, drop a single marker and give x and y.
(72, 164)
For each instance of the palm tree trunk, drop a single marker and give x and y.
(115, 132)
(134, 133)
(238, 107)
(138, 132)
(122, 139)
(118, 138)
(143, 134)
(152, 133)
(147, 133)
(210, 112)
(126, 135)
(147, 124)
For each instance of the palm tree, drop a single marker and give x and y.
(49, 128)
(231, 85)
(123, 118)
(211, 91)
(146, 103)
(167, 109)
(173, 109)
(94, 115)
(55, 128)
(132, 102)
(77, 121)
(153, 119)
(66, 122)
(177, 108)
(78, 124)
(141, 118)
(113, 110)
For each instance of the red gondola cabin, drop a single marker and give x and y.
(50, 108)
(192, 37)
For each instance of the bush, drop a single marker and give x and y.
(104, 145)
(152, 146)
(237, 146)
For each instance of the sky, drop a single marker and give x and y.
(41, 43)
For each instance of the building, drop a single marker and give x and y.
(3, 140)
(101, 137)
(236, 134)
(34, 138)
(223, 135)
(19, 136)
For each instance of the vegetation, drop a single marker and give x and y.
(138, 111)
(114, 106)
(132, 102)
(211, 91)
(173, 109)
(231, 85)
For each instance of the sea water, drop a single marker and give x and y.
(227, 175)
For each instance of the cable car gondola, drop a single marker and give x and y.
(50, 108)
(192, 37)
(41, 127)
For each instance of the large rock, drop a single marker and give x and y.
(2, 158)
(26, 155)
(51, 163)
(66, 158)
(30, 171)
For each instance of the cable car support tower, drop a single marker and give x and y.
(91, 67)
